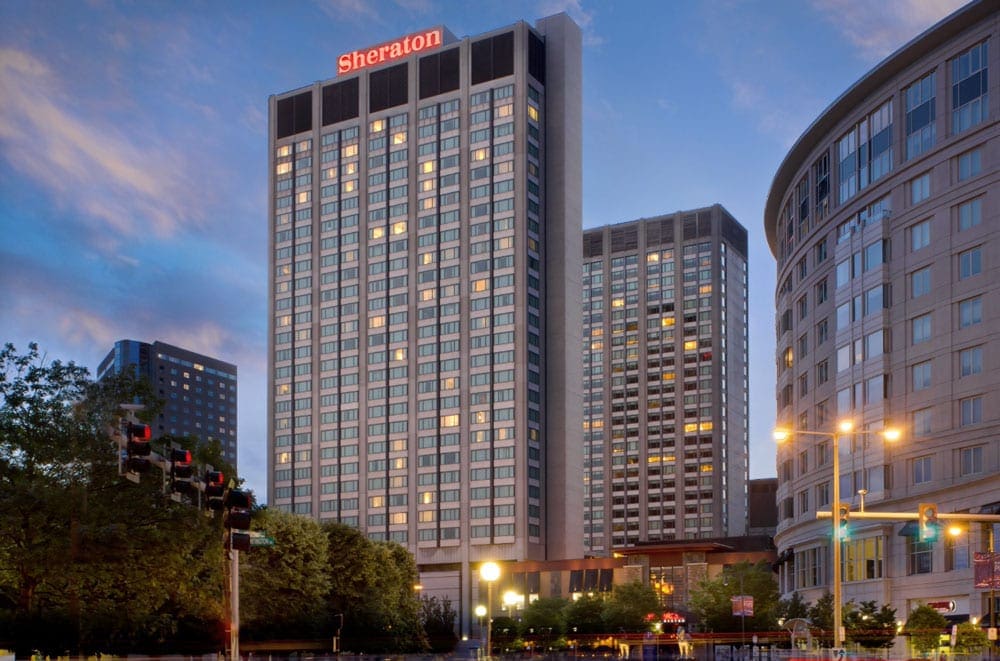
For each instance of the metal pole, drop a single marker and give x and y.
(489, 619)
(993, 567)
(838, 641)
(234, 602)
(743, 617)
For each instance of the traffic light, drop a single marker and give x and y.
(215, 487)
(927, 513)
(843, 523)
(181, 471)
(237, 503)
(138, 448)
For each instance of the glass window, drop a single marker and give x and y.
(865, 152)
(920, 556)
(971, 410)
(922, 470)
(970, 312)
(970, 214)
(921, 422)
(921, 328)
(970, 164)
(970, 263)
(956, 551)
(969, 90)
(922, 375)
(920, 116)
(920, 235)
(920, 282)
(972, 460)
(971, 361)
(920, 188)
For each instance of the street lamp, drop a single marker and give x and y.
(511, 599)
(843, 427)
(480, 613)
(489, 572)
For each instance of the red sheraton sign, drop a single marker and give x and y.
(389, 51)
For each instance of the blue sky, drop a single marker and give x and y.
(133, 148)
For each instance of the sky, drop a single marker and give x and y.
(133, 149)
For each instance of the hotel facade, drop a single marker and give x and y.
(425, 232)
(883, 219)
(665, 380)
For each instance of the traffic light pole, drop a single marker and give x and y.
(234, 602)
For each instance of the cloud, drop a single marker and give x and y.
(125, 185)
(351, 10)
(879, 28)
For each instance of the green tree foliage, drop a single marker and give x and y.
(585, 615)
(543, 620)
(372, 589)
(438, 619)
(711, 602)
(821, 615)
(795, 607)
(76, 540)
(283, 587)
(970, 639)
(628, 607)
(869, 625)
(924, 627)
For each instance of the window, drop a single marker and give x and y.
(970, 312)
(920, 282)
(822, 332)
(920, 423)
(876, 254)
(874, 344)
(956, 551)
(970, 214)
(821, 291)
(803, 305)
(920, 116)
(921, 328)
(922, 472)
(970, 263)
(820, 252)
(971, 361)
(823, 495)
(971, 460)
(921, 375)
(865, 152)
(920, 188)
(969, 95)
(970, 164)
(971, 411)
(822, 372)
(875, 299)
(920, 555)
(920, 235)
(863, 559)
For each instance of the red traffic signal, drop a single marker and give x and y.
(138, 440)
(180, 464)
(237, 498)
(215, 486)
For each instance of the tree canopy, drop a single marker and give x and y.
(712, 602)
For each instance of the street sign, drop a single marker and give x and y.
(260, 538)
(742, 605)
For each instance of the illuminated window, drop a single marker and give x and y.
(480, 154)
(376, 232)
(480, 285)
(399, 354)
(450, 420)
(284, 150)
(303, 197)
(667, 322)
(376, 501)
(481, 416)
(449, 383)
(428, 516)
(351, 168)
(427, 258)
(533, 113)
(350, 186)
(427, 497)
(330, 173)
(427, 295)
(690, 345)
(399, 228)
(427, 167)
(349, 150)
(399, 138)
(397, 518)
(376, 321)
(618, 302)
(377, 125)
(283, 168)
(427, 185)
(428, 203)
(505, 110)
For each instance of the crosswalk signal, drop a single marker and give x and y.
(138, 447)
(928, 517)
(237, 519)
(843, 521)
(181, 471)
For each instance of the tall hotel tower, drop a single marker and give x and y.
(883, 220)
(425, 239)
(665, 380)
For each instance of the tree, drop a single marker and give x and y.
(925, 626)
(793, 608)
(545, 617)
(76, 540)
(438, 620)
(869, 625)
(284, 588)
(970, 639)
(629, 606)
(821, 615)
(711, 601)
(583, 616)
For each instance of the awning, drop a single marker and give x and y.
(992, 508)
(910, 529)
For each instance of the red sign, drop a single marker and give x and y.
(742, 605)
(389, 51)
(987, 570)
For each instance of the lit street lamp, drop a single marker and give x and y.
(489, 572)
(480, 613)
(843, 427)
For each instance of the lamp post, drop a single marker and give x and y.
(843, 427)
(489, 572)
(480, 613)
